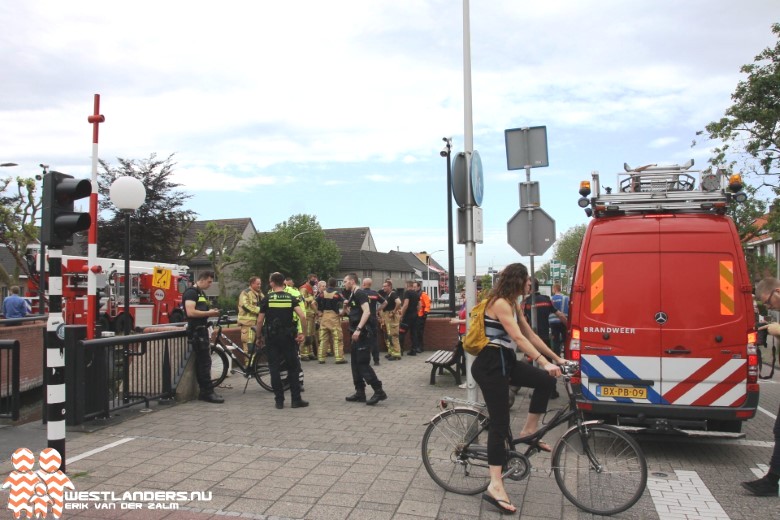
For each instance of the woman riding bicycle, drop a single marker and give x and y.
(496, 367)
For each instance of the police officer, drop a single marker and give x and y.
(409, 318)
(375, 301)
(248, 309)
(363, 332)
(198, 311)
(281, 334)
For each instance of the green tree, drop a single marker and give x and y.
(752, 123)
(295, 248)
(219, 243)
(158, 228)
(19, 209)
(567, 247)
(745, 214)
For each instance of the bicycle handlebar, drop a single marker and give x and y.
(569, 368)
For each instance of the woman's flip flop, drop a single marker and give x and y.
(498, 504)
(540, 445)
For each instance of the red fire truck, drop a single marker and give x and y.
(155, 292)
(661, 314)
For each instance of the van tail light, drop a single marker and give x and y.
(752, 359)
(574, 350)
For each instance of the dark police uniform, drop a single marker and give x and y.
(375, 299)
(409, 321)
(198, 335)
(362, 373)
(279, 330)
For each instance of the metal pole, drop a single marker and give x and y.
(530, 210)
(127, 273)
(470, 246)
(42, 279)
(450, 247)
(55, 359)
(92, 305)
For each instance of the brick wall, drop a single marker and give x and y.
(439, 334)
(30, 337)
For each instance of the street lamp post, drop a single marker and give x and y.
(128, 194)
(447, 152)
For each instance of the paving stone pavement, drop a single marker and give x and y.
(333, 460)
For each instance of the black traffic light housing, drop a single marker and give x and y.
(59, 222)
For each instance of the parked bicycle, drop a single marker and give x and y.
(598, 467)
(224, 351)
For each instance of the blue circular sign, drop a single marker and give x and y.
(477, 181)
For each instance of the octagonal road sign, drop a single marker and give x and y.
(543, 232)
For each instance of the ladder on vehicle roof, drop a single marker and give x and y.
(654, 189)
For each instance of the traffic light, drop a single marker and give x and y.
(59, 222)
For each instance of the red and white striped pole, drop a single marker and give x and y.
(95, 119)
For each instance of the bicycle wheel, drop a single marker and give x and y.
(602, 472)
(454, 451)
(219, 365)
(263, 372)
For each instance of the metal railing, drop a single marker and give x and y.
(27, 319)
(9, 379)
(122, 371)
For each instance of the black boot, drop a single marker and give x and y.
(379, 395)
(211, 397)
(762, 487)
(358, 397)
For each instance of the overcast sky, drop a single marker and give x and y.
(338, 109)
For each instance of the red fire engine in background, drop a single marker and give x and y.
(155, 292)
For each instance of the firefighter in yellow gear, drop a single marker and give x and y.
(391, 319)
(329, 305)
(248, 309)
(310, 309)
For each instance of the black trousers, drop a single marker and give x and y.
(360, 362)
(774, 462)
(419, 332)
(493, 370)
(285, 348)
(557, 337)
(199, 339)
(408, 326)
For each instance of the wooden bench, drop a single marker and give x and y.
(442, 360)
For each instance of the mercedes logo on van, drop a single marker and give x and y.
(661, 318)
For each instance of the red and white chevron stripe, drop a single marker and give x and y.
(50, 460)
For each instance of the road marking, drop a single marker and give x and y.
(760, 470)
(770, 414)
(98, 450)
(687, 497)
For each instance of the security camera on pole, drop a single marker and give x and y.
(530, 231)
